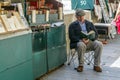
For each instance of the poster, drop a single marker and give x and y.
(5, 22)
(17, 23)
(12, 24)
(2, 29)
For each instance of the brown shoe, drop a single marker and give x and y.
(97, 69)
(79, 69)
(104, 42)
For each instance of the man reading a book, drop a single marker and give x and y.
(83, 43)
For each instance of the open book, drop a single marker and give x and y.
(90, 35)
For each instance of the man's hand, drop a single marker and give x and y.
(85, 40)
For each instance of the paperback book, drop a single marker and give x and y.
(90, 35)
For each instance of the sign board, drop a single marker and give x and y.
(82, 4)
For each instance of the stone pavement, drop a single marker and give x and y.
(110, 65)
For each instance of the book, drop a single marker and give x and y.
(2, 29)
(5, 22)
(90, 35)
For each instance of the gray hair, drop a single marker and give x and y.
(80, 12)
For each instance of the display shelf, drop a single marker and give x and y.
(11, 24)
(12, 20)
(43, 11)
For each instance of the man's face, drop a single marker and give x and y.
(80, 18)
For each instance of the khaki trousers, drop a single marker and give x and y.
(95, 46)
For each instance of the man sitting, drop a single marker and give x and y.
(82, 44)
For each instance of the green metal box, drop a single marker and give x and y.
(56, 36)
(15, 50)
(56, 57)
(39, 41)
(39, 63)
(19, 72)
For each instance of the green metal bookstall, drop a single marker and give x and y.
(27, 55)
(49, 49)
(49, 44)
(39, 54)
(16, 55)
(56, 46)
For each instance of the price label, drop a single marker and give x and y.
(83, 2)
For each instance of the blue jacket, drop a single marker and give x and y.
(75, 29)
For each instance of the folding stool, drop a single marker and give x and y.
(88, 57)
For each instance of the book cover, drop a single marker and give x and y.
(5, 22)
(2, 29)
(90, 35)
